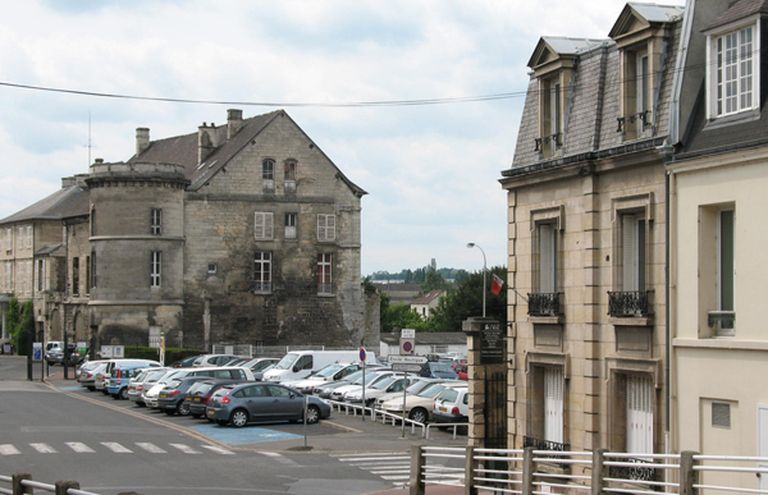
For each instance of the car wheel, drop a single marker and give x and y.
(419, 415)
(124, 394)
(183, 408)
(313, 415)
(239, 418)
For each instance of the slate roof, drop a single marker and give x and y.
(52, 248)
(570, 46)
(182, 150)
(428, 297)
(657, 13)
(739, 10)
(71, 201)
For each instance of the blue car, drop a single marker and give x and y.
(120, 374)
(245, 403)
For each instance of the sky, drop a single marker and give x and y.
(431, 171)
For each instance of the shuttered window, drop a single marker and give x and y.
(263, 225)
(326, 228)
(639, 414)
(553, 404)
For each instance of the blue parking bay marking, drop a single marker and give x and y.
(72, 388)
(238, 436)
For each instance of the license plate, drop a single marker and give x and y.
(163, 396)
(210, 412)
(443, 409)
(195, 399)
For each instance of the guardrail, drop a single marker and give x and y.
(22, 484)
(374, 413)
(542, 472)
(439, 426)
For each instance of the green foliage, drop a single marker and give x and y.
(397, 316)
(433, 281)
(21, 325)
(172, 354)
(466, 300)
(419, 275)
(369, 288)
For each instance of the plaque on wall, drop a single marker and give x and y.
(492, 342)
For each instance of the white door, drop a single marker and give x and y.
(553, 404)
(762, 431)
(639, 415)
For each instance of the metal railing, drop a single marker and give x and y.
(544, 444)
(454, 426)
(22, 484)
(541, 472)
(544, 303)
(374, 414)
(629, 303)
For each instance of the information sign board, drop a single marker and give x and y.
(406, 367)
(37, 351)
(407, 359)
(492, 343)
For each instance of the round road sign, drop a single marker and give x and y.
(363, 354)
(407, 346)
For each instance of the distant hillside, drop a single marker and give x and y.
(418, 276)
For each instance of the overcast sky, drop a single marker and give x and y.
(431, 171)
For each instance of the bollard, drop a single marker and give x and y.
(64, 485)
(417, 471)
(18, 488)
(469, 472)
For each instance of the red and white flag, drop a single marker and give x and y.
(496, 284)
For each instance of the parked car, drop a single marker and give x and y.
(297, 365)
(171, 397)
(259, 365)
(208, 360)
(332, 372)
(325, 390)
(230, 373)
(451, 406)
(120, 373)
(186, 362)
(388, 384)
(144, 380)
(54, 353)
(418, 384)
(239, 405)
(439, 369)
(88, 372)
(419, 407)
(150, 393)
(200, 393)
(371, 377)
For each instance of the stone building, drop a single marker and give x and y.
(239, 233)
(718, 179)
(586, 193)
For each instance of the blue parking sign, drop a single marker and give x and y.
(37, 351)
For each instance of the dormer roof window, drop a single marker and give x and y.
(733, 68)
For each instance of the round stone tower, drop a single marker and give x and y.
(137, 259)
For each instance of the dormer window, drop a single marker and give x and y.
(637, 101)
(550, 139)
(733, 70)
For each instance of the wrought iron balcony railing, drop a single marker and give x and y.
(629, 303)
(544, 304)
(539, 444)
(643, 471)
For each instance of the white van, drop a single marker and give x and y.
(297, 365)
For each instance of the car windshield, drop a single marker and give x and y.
(352, 377)
(173, 384)
(448, 395)
(262, 365)
(431, 391)
(140, 376)
(287, 361)
(369, 377)
(168, 376)
(200, 388)
(328, 370)
(440, 366)
(384, 383)
(417, 387)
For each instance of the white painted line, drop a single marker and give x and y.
(151, 448)
(392, 478)
(392, 471)
(43, 448)
(218, 450)
(185, 448)
(117, 448)
(278, 457)
(367, 454)
(80, 447)
(391, 458)
(377, 465)
(8, 449)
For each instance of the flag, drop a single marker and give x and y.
(496, 284)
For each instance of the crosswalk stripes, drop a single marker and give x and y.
(7, 449)
(394, 467)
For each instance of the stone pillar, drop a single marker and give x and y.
(591, 326)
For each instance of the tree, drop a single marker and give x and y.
(433, 281)
(21, 325)
(397, 316)
(466, 300)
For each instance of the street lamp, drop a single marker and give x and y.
(485, 268)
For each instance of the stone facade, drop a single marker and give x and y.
(586, 210)
(240, 233)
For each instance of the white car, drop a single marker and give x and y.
(332, 372)
(371, 378)
(390, 384)
(451, 406)
(418, 384)
(225, 372)
(419, 407)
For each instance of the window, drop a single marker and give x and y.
(550, 117)
(9, 240)
(553, 404)
(324, 273)
(75, 276)
(725, 269)
(92, 225)
(9, 276)
(733, 71)
(290, 176)
(156, 221)
(721, 414)
(212, 268)
(643, 88)
(547, 244)
(290, 225)
(40, 274)
(88, 275)
(268, 174)
(28, 237)
(632, 252)
(93, 270)
(263, 227)
(639, 414)
(545, 430)
(326, 228)
(155, 268)
(262, 272)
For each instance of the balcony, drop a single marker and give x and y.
(629, 304)
(539, 444)
(545, 304)
(643, 470)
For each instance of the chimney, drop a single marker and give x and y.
(205, 143)
(234, 122)
(142, 139)
(67, 182)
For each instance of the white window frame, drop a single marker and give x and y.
(262, 272)
(326, 227)
(155, 269)
(554, 399)
(263, 225)
(325, 273)
(268, 174)
(716, 70)
(633, 252)
(291, 219)
(640, 406)
(156, 221)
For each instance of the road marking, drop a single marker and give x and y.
(43, 448)
(185, 448)
(387, 458)
(394, 467)
(396, 478)
(151, 448)
(8, 449)
(218, 450)
(279, 458)
(117, 448)
(80, 447)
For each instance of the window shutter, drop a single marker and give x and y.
(258, 225)
(553, 405)
(330, 228)
(269, 226)
(321, 227)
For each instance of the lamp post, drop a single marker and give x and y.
(485, 268)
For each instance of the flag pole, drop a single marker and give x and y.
(485, 269)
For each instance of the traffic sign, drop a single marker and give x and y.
(37, 351)
(410, 368)
(407, 333)
(407, 345)
(407, 359)
(363, 354)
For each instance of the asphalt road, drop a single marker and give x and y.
(60, 431)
